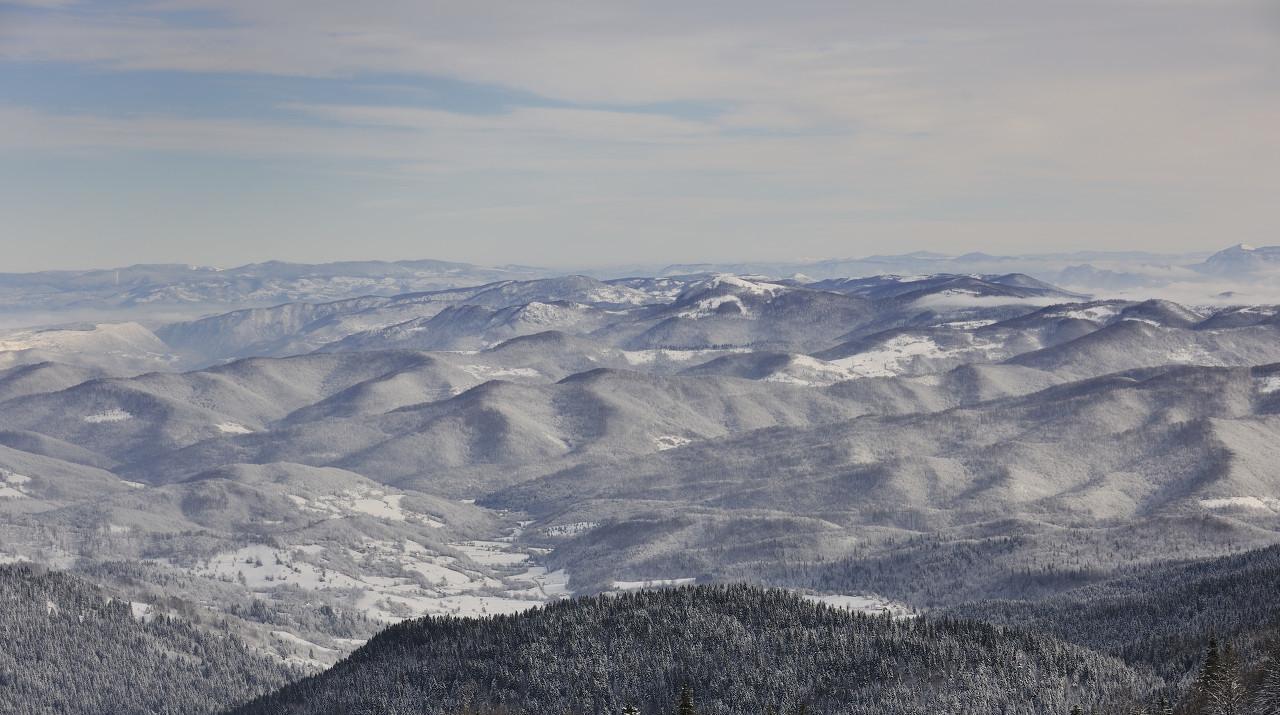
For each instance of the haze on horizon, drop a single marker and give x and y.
(570, 134)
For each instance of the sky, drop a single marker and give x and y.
(599, 133)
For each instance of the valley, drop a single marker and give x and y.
(304, 475)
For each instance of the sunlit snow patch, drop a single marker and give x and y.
(860, 604)
(652, 583)
(1264, 503)
(573, 529)
(373, 502)
(233, 428)
(113, 415)
(488, 372)
(13, 485)
(1094, 313)
(144, 612)
(892, 356)
(671, 441)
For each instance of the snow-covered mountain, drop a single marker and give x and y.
(479, 449)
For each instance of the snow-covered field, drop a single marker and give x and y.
(112, 415)
(1264, 503)
(893, 357)
(13, 485)
(861, 604)
(373, 502)
(670, 441)
(652, 583)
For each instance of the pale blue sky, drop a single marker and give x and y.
(589, 133)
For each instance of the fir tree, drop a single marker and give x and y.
(686, 702)
(1226, 695)
(1266, 701)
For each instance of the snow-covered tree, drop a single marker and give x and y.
(1266, 701)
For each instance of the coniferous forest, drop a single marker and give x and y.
(1195, 639)
(68, 647)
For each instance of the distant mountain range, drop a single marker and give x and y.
(302, 474)
(156, 293)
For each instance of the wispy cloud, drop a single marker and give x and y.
(995, 116)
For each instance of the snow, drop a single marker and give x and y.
(807, 371)
(670, 441)
(1269, 384)
(1264, 503)
(652, 583)
(573, 529)
(491, 553)
(1095, 313)
(264, 567)
(649, 357)
(546, 585)
(371, 502)
(13, 485)
(967, 324)
(112, 415)
(892, 357)
(1192, 355)
(709, 306)
(133, 485)
(487, 372)
(300, 642)
(144, 612)
(386, 507)
(233, 428)
(859, 603)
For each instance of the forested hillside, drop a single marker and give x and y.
(740, 649)
(69, 648)
(1162, 617)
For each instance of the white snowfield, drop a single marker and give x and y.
(1095, 313)
(670, 441)
(113, 415)
(13, 485)
(233, 428)
(1262, 503)
(390, 581)
(892, 357)
(649, 357)
(808, 371)
(373, 502)
(1268, 385)
(487, 372)
(652, 583)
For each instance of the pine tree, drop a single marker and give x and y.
(1209, 671)
(1266, 701)
(1226, 695)
(686, 702)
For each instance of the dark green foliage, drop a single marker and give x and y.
(739, 649)
(66, 647)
